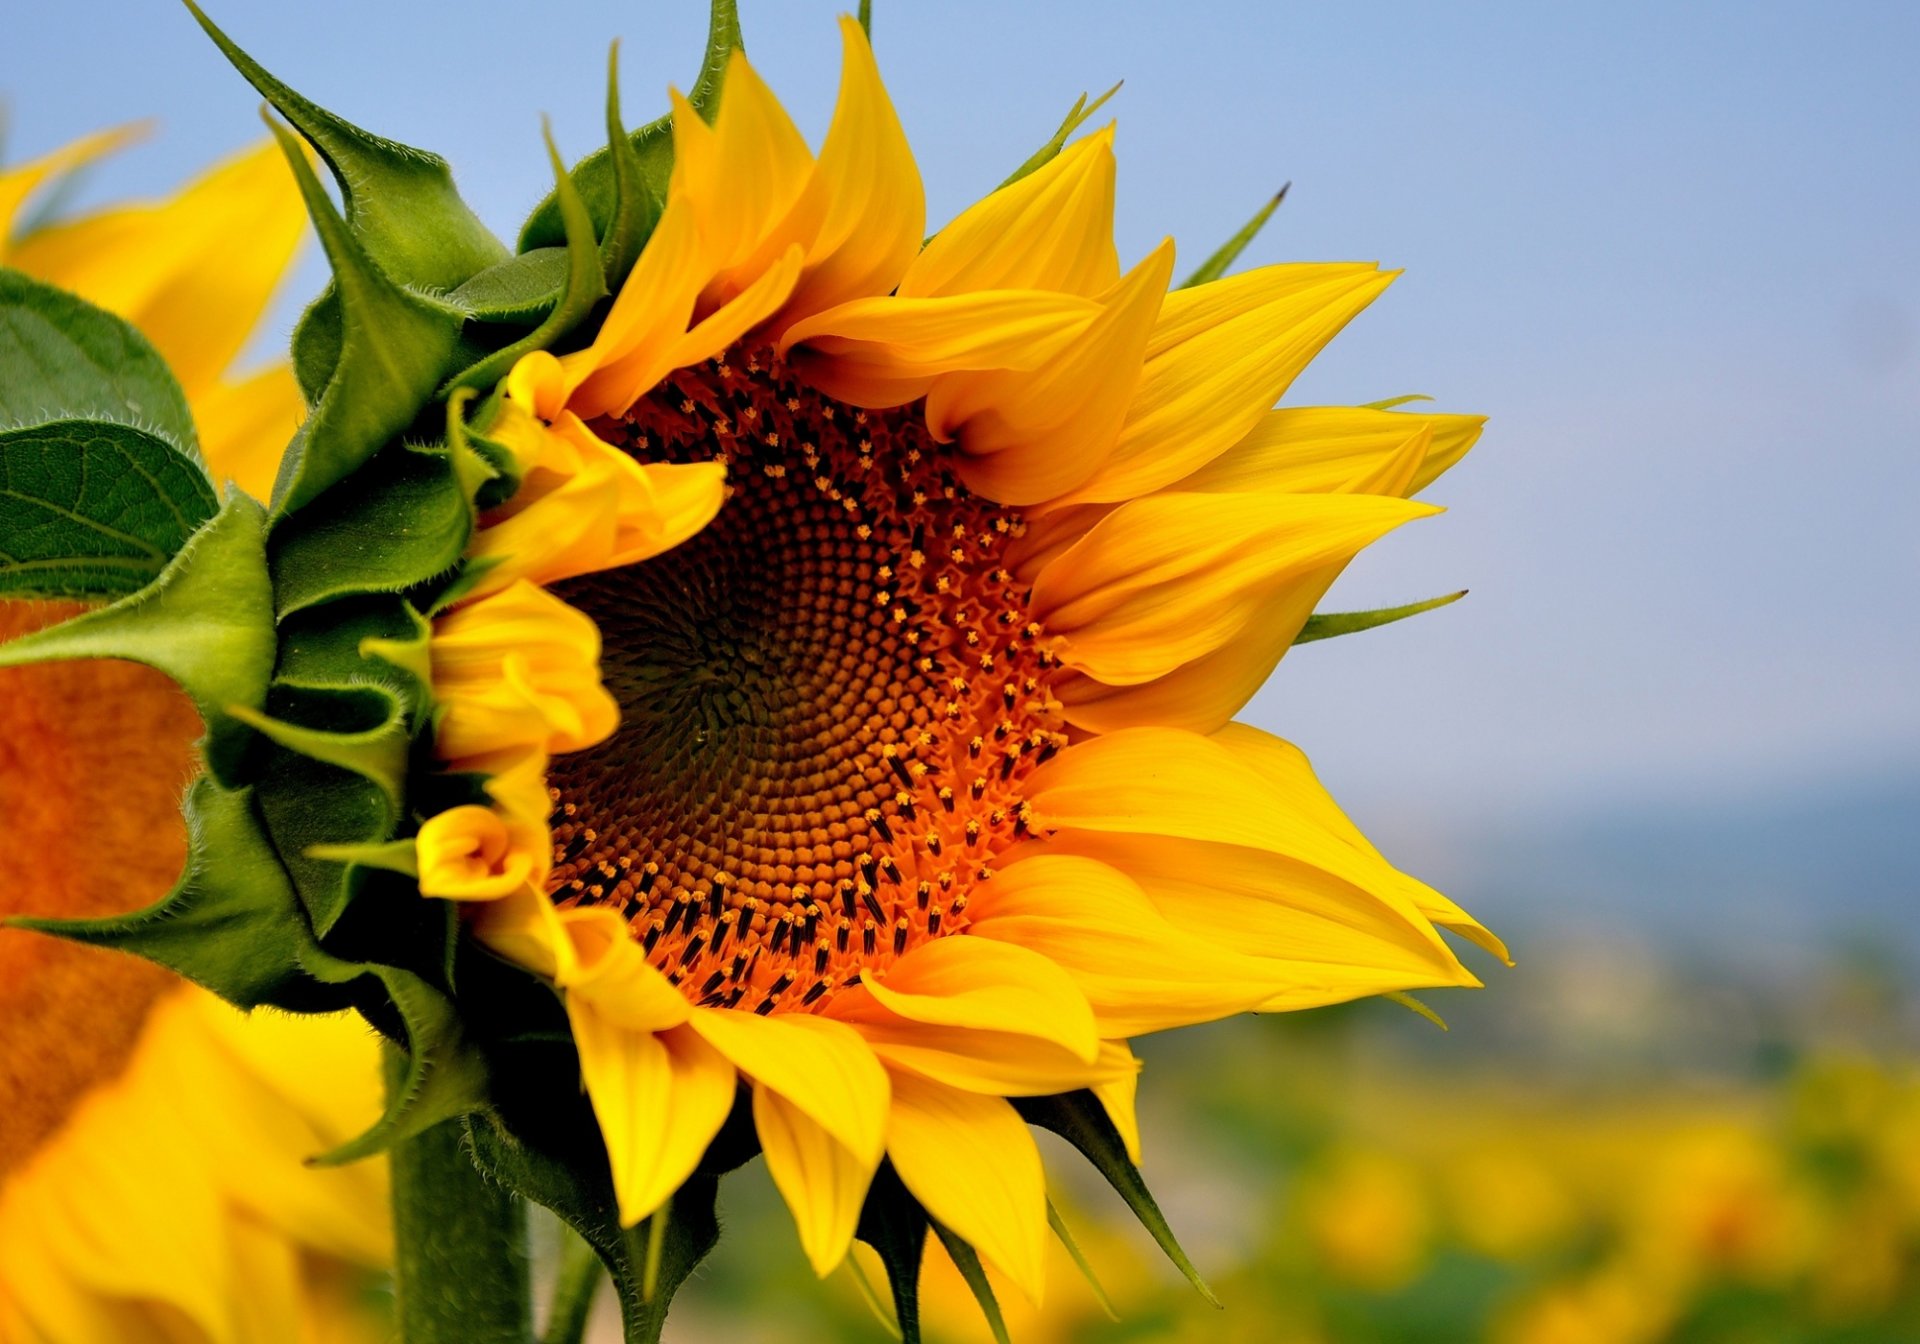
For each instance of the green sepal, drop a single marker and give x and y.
(652, 144)
(62, 358)
(316, 344)
(377, 639)
(311, 805)
(586, 285)
(377, 753)
(1417, 1008)
(394, 349)
(1079, 1258)
(1393, 402)
(540, 1140)
(206, 622)
(231, 924)
(967, 1261)
(402, 521)
(389, 856)
(522, 289)
(401, 204)
(895, 1225)
(94, 508)
(1077, 116)
(865, 18)
(1335, 623)
(635, 211)
(1216, 265)
(446, 1077)
(1080, 1119)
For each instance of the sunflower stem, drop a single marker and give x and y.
(460, 1241)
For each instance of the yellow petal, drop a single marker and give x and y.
(245, 427)
(606, 969)
(995, 1063)
(1163, 781)
(1218, 361)
(970, 1160)
(987, 985)
(821, 1066)
(195, 273)
(1117, 1100)
(659, 1097)
(518, 668)
(1053, 229)
(1318, 449)
(632, 350)
(823, 1182)
(1325, 939)
(886, 352)
(1030, 436)
(1166, 579)
(19, 183)
(873, 210)
(1140, 972)
(1286, 768)
(467, 853)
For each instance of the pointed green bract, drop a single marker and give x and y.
(316, 344)
(1216, 265)
(585, 286)
(403, 520)
(377, 754)
(652, 146)
(445, 1078)
(393, 351)
(967, 1261)
(1332, 624)
(91, 508)
(635, 210)
(1080, 1119)
(895, 1225)
(1077, 116)
(206, 621)
(231, 925)
(1065, 1234)
(518, 290)
(62, 358)
(401, 203)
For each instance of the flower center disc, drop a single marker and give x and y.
(831, 698)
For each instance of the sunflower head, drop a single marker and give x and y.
(777, 670)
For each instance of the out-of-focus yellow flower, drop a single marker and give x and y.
(153, 1141)
(1719, 1200)
(1508, 1204)
(1367, 1216)
(194, 273)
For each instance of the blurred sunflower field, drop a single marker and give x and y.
(1596, 1188)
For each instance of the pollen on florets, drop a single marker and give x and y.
(831, 698)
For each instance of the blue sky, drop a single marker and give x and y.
(1670, 250)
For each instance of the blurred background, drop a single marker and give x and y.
(1669, 747)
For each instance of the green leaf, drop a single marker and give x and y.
(206, 621)
(91, 508)
(652, 144)
(377, 753)
(401, 521)
(394, 350)
(312, 807)
(1080, 1119)
(232, 924)
(520, 289)
(375, 639)
(1352, 622)
(967, 1261)
(1077, 116)
(894, 1224)
(586, 285)
(61, 358)
(1216, 265)
(401, 204)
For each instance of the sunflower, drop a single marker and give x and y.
(153, 1140)
(852, 668)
